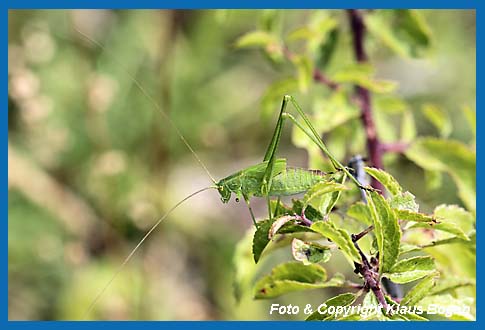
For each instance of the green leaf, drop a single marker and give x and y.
(408, 127)
(244, 265)
(452, 157)
(361, 74)
(446, 285)
(309, 252)
(457, 215)
(273, 95)
(402, 312)
(304, 68)
(407, 248)
(438, 118)
(317, 193)
(471, 118)
(408, 270)
(434, 179)
(453, 240)
(304, 32)
(390, 104)
(361, 212)
(315, 32)
(404, 201)
(381, 29)
(420, 290)
(333, 112)
(326, 49)
(270, 20)
(326, 202)
(413, 29)
(294, 276)
(405, 33)
(451, 219)
(260, 239)
(310, 212)
(448, 227)
(449, 307)
(386, 229)
(256, 39)
(339, 236)
(386, 179)
(342, 300)
(414, 216)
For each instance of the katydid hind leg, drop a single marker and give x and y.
(315, 137)
(270, 155)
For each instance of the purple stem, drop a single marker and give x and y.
(364, 99)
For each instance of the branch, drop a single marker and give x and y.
(396, 147)
(318, 76)
(374, 148)
(370, 273)
(364, 99)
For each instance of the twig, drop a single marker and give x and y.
(396, 147)
(370, 273)
(374, 147)
(358, 236)
(363, 95)
(318, 76)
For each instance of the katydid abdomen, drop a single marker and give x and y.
(295, 181)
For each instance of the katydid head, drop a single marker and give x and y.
(223, 191)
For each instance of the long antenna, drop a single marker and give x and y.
(120, 268)
(150, 98)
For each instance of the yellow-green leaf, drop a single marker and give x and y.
(339, 236)
(256, 39)
(360, 211)
(438, 118)
(386, 179)
(294, 276)
(342, 300)
(386, 229)
(309, 252)
(408, 270)
(315, 194)
(449, 307)
(420, 290)
(452, 157)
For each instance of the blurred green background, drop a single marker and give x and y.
(93, 164)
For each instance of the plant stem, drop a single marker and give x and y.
(370, 274)
(318, 76)
(396, 147)
(364, 99)
(374, 147)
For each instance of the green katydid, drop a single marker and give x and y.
(269, 178)
(272, 177)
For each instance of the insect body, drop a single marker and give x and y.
(286, 181)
